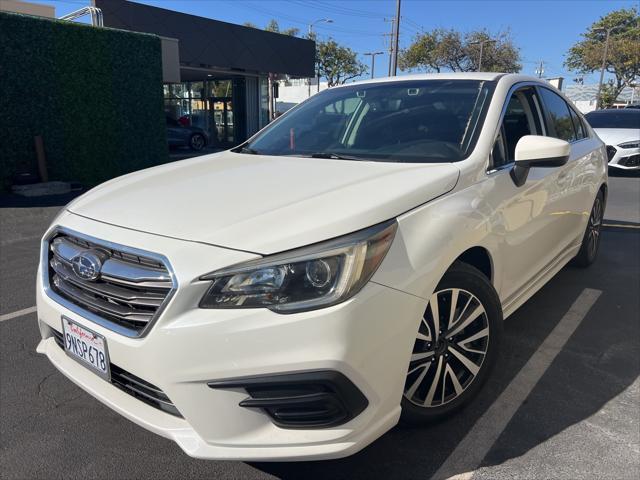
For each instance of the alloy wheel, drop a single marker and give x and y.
(197, 142)
(450, 348)
(593, 229)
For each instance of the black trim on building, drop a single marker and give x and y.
(211, 43)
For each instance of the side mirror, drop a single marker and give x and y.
(538, 151)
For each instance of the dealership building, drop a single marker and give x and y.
(215, 73)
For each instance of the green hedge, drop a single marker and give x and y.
(94, 94)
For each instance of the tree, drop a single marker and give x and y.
(443, 49)
(273, 26)
(337, 63)
(623, 55)
(250, 25)
(608, 94)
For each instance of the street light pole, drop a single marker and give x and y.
(320, 20)
(373, 60)
(481, 43)
(604, 62)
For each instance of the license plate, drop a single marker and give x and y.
(86, 346)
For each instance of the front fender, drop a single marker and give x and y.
(431, 237)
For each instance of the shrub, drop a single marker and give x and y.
(94, 94)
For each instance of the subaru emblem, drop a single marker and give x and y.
(87, 265)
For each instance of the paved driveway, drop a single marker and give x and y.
(564, 401)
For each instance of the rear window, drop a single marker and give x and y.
(614, 119)
(559, 115)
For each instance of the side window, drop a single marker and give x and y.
(519, 120)
(578, 125)
(559, 116)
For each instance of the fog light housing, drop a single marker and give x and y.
(318, 399)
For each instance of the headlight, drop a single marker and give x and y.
(631, 144)
(304, 279)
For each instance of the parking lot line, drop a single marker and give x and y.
(19, 313)
(470, 452)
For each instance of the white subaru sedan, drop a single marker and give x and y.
(347, 268)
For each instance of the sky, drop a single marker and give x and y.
(542, 29)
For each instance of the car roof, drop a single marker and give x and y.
(481, 76)
(623, 111)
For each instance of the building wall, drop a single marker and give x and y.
(170, 60)
(584, 96)
(585, 106)
(296, 91)
(28, 8)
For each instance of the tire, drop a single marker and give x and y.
(430, 392)
(197, 142)
(591, 239)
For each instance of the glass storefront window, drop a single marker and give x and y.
(207, 105)
(197, 89)
(176, 90)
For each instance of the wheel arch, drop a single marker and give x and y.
(604, 188)
(480, 258)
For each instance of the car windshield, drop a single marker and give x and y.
(404, 121)
(608, 119)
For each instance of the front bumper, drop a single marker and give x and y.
(624, 158)
(367, 340)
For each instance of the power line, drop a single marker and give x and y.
(278, 15)
(342, 10)
(413, 24)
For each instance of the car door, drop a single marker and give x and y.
(528, 219)
(576, 178)
(175, 132)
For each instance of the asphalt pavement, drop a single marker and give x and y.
(563, 402)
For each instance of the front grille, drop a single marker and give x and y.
(130, 291)
(630, 161)
(134, 386)
(611, 151)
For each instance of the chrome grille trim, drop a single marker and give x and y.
(117, 271)
(139, 298)
(133, 289)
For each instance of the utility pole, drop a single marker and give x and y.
(373, 60)
(396, 38)
(310, 35)
(540, 69)
(481, 43)
(390, 35)
(604, 62)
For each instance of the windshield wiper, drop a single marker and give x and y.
(335, 156)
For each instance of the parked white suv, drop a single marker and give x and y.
(348, 266)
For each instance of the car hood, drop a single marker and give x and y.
(263, 204)
(614, 136)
